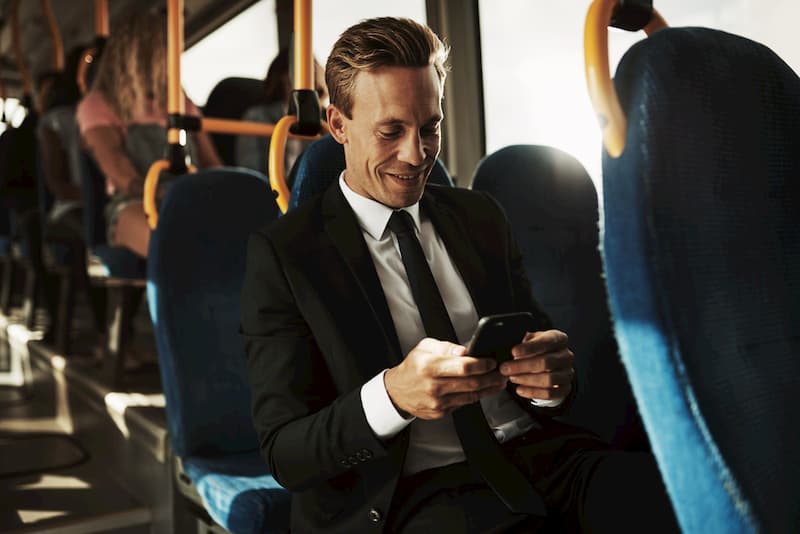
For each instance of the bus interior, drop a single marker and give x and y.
(649, 170)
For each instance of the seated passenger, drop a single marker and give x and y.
(129, 90)
(252, 151)
(59, 148)
(364, 398)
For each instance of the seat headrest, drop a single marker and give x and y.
(321, 164)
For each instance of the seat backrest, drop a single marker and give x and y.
(551, 203)
(195, 270)
(94, 198)
(322, 162)
(229, 99)
(702, 257)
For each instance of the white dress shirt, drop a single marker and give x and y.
(433, 443)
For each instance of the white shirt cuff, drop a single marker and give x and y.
(546, 403)
(382, 417)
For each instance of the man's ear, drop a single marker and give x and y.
(336, 122)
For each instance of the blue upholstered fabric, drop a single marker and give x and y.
(240, 493)
(702, 253)
(551, 203)
(118, 262)
(195, 270)
(322, 162)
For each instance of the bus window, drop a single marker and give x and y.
(331, 18)
(243, 46)
(533, 52)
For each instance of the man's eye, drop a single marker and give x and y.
(389, 134)
(430, 130)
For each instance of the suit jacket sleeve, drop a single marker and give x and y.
(307, 432)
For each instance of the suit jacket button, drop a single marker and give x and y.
(374, 515)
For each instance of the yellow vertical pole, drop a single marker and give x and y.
(303, 54)
(101, 18)
(25, 74)
(175, 103)
(55, 34)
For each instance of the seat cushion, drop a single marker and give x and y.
(116, 262)
(239, 494)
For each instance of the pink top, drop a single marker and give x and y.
(93, 111)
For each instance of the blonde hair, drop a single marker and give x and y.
(380, 42)
(132, 74)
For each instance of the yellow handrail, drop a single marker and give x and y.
(303, 81)
(150, 189)
(55, 34)
(90, 54)
(175, 103)
(277, 149)
(25, 74)
(236, 127)
(598, 75)
(303, 53)
(175, 107)
(101, 18)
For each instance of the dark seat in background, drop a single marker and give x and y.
(229, 99)
(702, 255)
(117, 269)
(551, 203)
(195, 271)
(322, 162)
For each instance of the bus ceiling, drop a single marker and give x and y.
(76, 23)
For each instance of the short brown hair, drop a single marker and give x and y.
(380, 42)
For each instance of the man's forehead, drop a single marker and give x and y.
(392, 92)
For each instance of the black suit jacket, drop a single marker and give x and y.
(317, 327)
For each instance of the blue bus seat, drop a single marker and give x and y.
(551, 203)
(321, 163)
(196, 268)
(702, 257)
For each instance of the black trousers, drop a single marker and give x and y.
(587, 486)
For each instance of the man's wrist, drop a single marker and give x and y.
(382, 416)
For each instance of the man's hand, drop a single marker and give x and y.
(436, 378)
(542, 366)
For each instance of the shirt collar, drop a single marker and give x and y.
(372, 215)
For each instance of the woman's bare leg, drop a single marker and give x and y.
(132, 229)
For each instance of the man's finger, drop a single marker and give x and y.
(540, 342)
(555, 379)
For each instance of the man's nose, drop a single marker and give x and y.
(412, 150)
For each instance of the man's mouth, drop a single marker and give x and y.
(405, 177)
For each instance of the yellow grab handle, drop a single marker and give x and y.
(150, 189)
(598, 74)
(55, 34)
(277, 149)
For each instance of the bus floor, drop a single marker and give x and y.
(77, 454)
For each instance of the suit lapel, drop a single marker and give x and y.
(459, 244)
(342, 227)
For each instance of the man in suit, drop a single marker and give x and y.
(353, 403)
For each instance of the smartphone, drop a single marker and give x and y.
(496, 335)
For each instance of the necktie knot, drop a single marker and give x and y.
(401, 222)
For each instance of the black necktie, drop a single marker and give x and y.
(481, 448)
